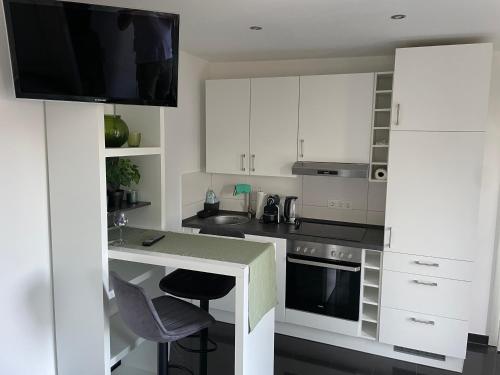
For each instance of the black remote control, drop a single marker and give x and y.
(151, 241)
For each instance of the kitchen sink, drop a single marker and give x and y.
(227, 220)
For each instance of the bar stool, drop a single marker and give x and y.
(203, 287)
(163, 320)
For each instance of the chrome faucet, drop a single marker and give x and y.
(247, 190)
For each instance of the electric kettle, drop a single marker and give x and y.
(290, 210)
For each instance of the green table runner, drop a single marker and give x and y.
(258, 256)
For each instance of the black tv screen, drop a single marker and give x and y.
(80, 52)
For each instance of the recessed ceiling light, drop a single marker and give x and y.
(398, 16)
(256, 28)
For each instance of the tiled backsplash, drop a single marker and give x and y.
(331, 198)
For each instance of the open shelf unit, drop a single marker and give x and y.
(150, 159)
(78, 153)
(122, 340)
(125, 206)
(370, 294)
(132, 151)
(150, 212)
(135, 273)
(382, 103)
(124, 370)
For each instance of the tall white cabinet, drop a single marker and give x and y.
(442, 88)
(335, 117)
(440, 106)
(433, 193)
(251, 126)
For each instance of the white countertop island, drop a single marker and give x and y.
(254, 348)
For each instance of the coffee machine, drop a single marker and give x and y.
(272, 210)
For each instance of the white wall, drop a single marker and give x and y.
(185, 132)
(489, 225)
(367, 199)
(277, 68)
(26, 313)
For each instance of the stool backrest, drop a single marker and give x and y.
(137, 310)
(223, 232)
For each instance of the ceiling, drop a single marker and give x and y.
(218, 30)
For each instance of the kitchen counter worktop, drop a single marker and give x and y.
(373, 238)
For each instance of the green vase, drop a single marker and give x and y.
(116, 131)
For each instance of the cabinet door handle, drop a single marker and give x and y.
(428, 264)
(302, 141)
(243, 156)
(253, 162)
(396, 122)
(426, 283)
(388, 244)
(421, 321)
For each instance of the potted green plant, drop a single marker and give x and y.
(120, 172)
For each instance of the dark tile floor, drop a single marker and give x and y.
(300, 357)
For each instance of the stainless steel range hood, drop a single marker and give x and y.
(347, 170)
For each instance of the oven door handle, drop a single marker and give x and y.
(324, 265)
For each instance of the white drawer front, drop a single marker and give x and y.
(425, 294)
(421, 265)
(423, 332)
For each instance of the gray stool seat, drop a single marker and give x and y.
(180, 319)
(162, 320)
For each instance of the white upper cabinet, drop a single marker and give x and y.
(227, 124)
(273, 125)
(433, 193)
(335, 117)
(442, 88)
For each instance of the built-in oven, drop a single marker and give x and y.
(323, 279)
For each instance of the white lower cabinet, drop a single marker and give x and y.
(428, 266)
(424, 332)
(425, 304)
(425, 294)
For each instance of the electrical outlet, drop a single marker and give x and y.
(343, 205)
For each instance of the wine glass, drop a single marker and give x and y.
(120, 220)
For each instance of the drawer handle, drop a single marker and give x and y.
(426, 283)
(421, 321)
(428, 264)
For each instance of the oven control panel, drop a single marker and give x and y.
(324, 251)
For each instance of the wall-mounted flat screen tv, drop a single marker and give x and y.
(81, 52)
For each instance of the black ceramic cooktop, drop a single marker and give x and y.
(331, 231)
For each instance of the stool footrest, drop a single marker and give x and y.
(198, 351)
(182, 368)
